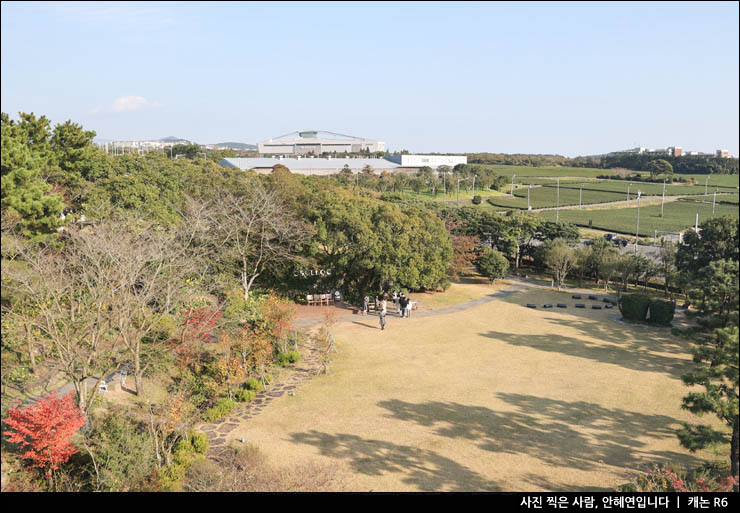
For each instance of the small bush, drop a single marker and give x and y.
(292, 356)
(659, 478)
(661, 312)
(477, 200)
(199, 441)
(222, 408)
(634, 307)
(253, 384)
(243, 395)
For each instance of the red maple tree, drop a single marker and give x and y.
(44, 429)
(201, 323)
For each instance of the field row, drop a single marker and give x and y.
(588, 193)
(526, 174)
(678, 215)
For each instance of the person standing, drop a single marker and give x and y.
(383, 311)
(403, 303)
(365, 305)
(409, 307)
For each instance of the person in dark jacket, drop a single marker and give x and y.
(403, 303)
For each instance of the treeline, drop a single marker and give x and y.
(690, 164)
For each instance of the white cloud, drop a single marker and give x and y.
(127, 104)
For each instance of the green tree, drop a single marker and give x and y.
(24, 192)
(717, 371)
(660, 167)
(493, 265)
(717, 240)
(714, 291)
(560, 259)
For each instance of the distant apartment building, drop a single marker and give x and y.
(672, 151)
(309, 143)
(139, 145)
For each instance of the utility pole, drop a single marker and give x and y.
(714, 200)
(458, 189)
(637, 232)
(529, 189)
(580, 196)
(706, 186)
(696, 226)
(663, 201)
(557, 215)
(474, 176)
(512, 185)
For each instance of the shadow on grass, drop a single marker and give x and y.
(365, 325)
(628, 352)
(421, 468)
(577, 435)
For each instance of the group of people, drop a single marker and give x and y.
(401, 301)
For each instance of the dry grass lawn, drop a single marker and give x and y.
(498, 397)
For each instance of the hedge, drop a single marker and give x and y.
(661, 312)
(634, 307)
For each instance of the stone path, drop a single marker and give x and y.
(218, 431)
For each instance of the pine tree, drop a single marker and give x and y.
(717, 372)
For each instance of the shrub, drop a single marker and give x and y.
(477, 200)
(634, 307)
(243, 395)
(661, 312)
(292, 356)
(492, 265)
(675, 479)
(222, 408)
(199, 441)
(253, 384)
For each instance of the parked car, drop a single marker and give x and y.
(610, 237)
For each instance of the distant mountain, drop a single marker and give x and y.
(237, 146)
(174, 140)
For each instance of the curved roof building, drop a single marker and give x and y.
(316, 142)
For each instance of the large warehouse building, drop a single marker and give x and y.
(309, 142)
(433, 161)
(313, 166)
(331, 165)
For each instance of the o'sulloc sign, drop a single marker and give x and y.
(304, 273)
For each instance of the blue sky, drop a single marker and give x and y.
(567, 78)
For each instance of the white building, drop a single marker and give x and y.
(309, 142)
(433, 161)
(313, 166)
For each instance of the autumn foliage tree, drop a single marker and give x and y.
(44, 429)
